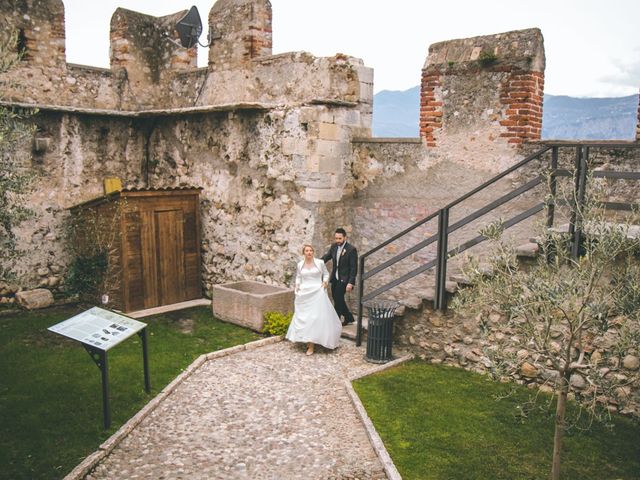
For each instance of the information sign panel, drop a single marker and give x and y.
(98, 328)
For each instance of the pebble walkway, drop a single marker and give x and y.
(267, 413)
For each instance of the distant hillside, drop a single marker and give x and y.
(396, 114)
(568, 118)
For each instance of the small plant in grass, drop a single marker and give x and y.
(276, 323)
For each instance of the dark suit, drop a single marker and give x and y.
(347, 269)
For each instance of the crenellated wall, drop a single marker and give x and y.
(41, 32)
(149, 72)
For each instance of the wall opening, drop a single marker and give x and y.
(21, 44)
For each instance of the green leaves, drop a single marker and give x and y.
(16, 177)
(276, 323)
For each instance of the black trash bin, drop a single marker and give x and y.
(380, 330)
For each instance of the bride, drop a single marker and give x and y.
(314, 318)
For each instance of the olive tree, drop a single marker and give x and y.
(16, 176)
(575, 319)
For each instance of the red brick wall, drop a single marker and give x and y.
(430, 108)
(258, 42)
(242, 32)
(522, 95)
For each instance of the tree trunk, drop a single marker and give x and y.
(561, 407)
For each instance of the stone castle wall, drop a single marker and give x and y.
(263, 173)
(266, 137)
(465, 342)
(280, 144)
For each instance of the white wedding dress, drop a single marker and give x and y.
(314, 318)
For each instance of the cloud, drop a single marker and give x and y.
(627, 72)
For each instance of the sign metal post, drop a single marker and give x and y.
(99, 330)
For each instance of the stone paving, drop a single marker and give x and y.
(267, 413)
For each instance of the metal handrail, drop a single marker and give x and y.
(444, 229)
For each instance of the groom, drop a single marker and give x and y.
(343, 275)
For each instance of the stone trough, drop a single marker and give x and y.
(244, 303)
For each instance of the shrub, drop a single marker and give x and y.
(487, 59)
(86, 274)
(276, 323)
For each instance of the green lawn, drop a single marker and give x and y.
(446, 423)
(50, 389)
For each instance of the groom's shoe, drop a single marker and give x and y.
(347, 322)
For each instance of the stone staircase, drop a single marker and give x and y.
(426, 295)
(526, 253)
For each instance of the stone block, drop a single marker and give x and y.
(322, 194)
(315, 114)
(245, 303)
(326, 147)
(366, 91)
(329, 131)
(34, 299)
(365, 74)
(294, 146)
(315, 180)
(349, 118)
(313, 163)
(330, 164)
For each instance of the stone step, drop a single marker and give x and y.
(413, 302)
(460, 279)
(597, 228)
(428, 294)
(349, 331)
(529, 250)
(485, 269)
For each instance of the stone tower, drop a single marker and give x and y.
(241, 31)
(41, 33)
(487, 90)
(140, 44)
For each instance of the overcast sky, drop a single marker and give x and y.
(592, 46)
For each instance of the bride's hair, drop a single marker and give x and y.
(307, 245)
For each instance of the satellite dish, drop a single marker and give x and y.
(189, 28)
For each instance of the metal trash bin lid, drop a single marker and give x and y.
(381, 308)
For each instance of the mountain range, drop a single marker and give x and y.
(396, 114)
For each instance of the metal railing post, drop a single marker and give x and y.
(551, 206)
(360, 293)
(577, 163)
(440, 302)
(575, 227)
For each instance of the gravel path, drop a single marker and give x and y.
(267, 413)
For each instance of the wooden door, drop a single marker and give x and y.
(161, 252)
(169, 228)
